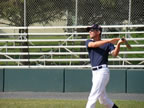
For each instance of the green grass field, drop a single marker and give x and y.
(46, 103)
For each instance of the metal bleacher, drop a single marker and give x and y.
(43, 47)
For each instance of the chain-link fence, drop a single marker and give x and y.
(51, 32)
(70, 12)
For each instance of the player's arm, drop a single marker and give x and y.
(102, 42)
(115, 52)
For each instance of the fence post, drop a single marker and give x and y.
(76, 12)
(129, 19)
(25, 20)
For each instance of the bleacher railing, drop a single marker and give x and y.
(64, 47)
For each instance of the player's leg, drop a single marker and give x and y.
(107, 103)
(93, 96)
(99, 82)
(103, 99)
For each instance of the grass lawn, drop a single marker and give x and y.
(46, 103)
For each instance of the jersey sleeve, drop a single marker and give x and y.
(87, 42)
(111, 47)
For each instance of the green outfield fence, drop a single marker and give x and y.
(68, 80)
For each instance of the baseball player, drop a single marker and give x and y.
(98, 53)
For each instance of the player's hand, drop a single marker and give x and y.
(114, 40)
(122, 40)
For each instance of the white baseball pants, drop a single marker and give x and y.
(99, 81)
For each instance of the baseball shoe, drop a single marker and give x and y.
(114, 106)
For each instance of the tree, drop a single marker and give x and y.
(37, 11)
(109, 12)
(89, 11)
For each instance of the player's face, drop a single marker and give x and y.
(94, 34)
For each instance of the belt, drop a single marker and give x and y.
(99, 67)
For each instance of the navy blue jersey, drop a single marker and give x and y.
(99, 55)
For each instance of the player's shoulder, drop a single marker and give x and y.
(89, 40)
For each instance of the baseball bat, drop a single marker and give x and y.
(127, 44)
